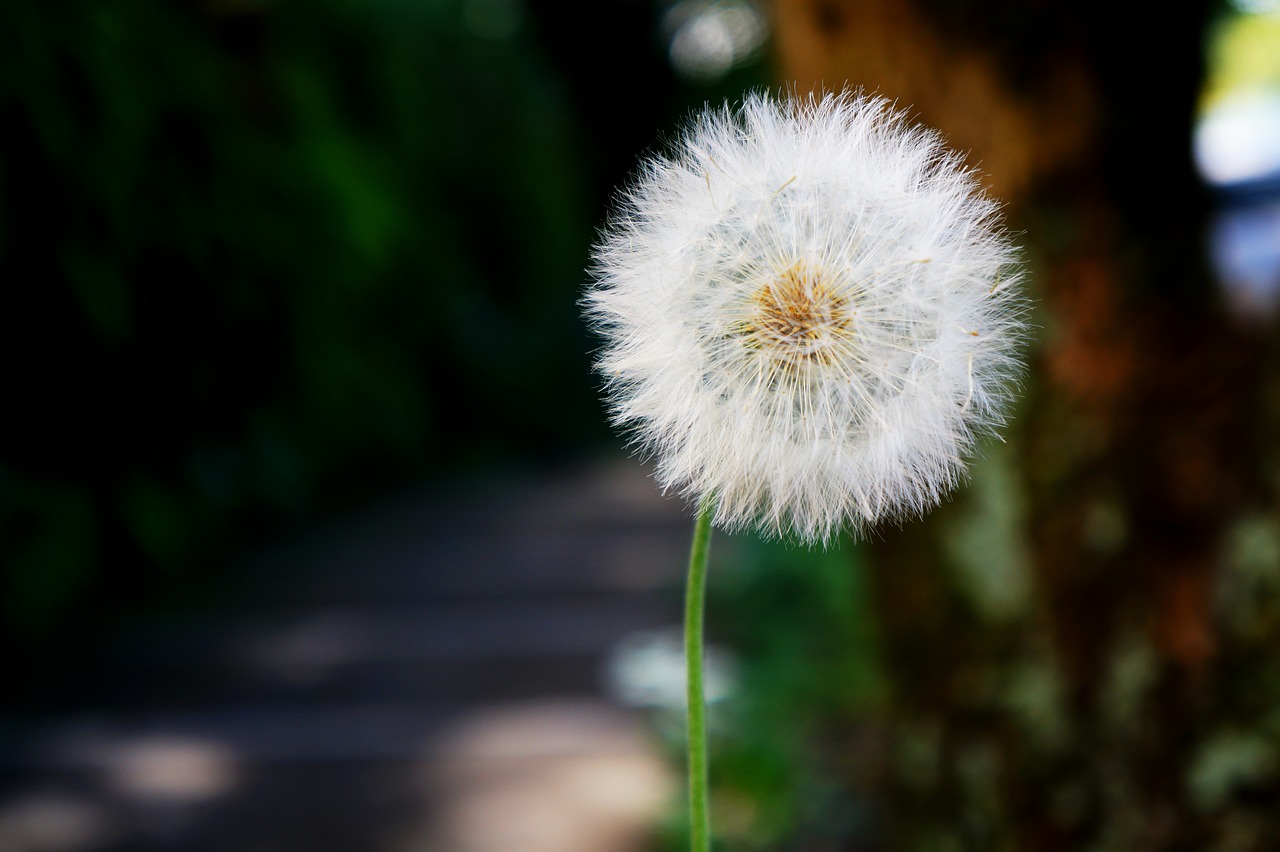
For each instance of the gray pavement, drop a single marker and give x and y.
(424, 675)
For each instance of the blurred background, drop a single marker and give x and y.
(314, 535)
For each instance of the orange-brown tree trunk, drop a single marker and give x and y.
(1089, 710)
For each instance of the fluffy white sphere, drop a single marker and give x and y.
(810, 311)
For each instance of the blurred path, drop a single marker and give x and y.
(426, 676)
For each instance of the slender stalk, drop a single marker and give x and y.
(699, 819)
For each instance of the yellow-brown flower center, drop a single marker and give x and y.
(798, 319)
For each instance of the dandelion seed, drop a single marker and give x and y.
(810, 313)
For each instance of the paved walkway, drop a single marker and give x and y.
(425, 676)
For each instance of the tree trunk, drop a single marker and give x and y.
(1118, 703)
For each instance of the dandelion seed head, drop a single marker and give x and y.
(810, 311)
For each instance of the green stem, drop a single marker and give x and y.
(699, 820)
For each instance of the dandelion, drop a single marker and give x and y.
(810, 313)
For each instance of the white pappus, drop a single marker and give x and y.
(810, 312)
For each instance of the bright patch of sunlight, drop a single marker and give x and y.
(708, 38)
(1238, 134)
(172, 768)
(1237, 150)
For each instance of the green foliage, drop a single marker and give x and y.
(259, 256)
